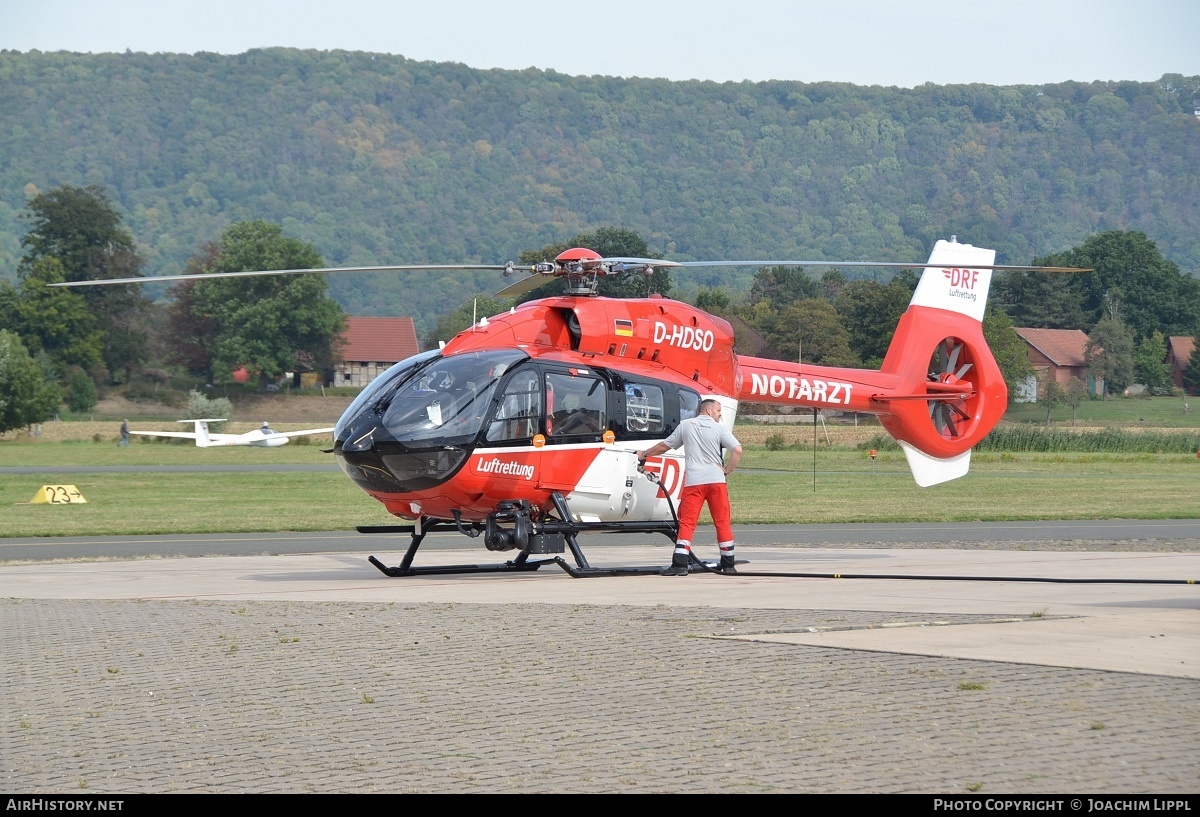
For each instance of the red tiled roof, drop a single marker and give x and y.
(379, 340)
(750, 341)
(1063, 347)
(1182, 346)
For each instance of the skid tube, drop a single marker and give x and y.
(695, 565)
(542, 539)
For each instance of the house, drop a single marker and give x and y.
(1056, 354)
(749, 341)
(370, 346)
(1179, 351)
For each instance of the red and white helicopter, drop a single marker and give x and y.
(524, 427)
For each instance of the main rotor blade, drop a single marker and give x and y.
(884, 264)
(649, 262)
(200, 276)
(528, 283)
(524, 285)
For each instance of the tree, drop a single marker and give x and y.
(870, 312)
(1191, 375)
(81, 228)
(1155, 294)
(467, 315)
(1052, 394)
(1109, 354)
(809, 329)
(609, 242)
(715, 300)
(1076, 393)
(1044, 300)
(52, 319)
(1010, 351)
(268, 324)
(26, 395)
(1150, 366)
(202, 407)
(833, 281)
(191, 334)
(783, 285)
(81, 393)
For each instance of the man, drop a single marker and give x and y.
(703, 438)
(124, 433)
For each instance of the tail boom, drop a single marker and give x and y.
(939, 391)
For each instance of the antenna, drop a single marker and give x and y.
(799, 363)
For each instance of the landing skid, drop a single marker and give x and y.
(507, 567)
(696, 566)
(532, 537)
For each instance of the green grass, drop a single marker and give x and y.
(130, 504)
(87, 453)
(1064, 464)
(1148, 412)
(849, 488)
(771, 487)
(1109, 439)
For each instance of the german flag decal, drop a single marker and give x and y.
(623, 327)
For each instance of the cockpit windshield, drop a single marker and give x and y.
(363, 406)
(446, 400)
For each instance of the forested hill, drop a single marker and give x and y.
(377, 159)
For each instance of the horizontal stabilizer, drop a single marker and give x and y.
(181, 435)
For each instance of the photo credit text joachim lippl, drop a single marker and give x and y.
(1078, 805)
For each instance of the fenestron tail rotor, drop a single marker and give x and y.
(948, 388)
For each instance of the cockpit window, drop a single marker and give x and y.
(575, 405)
(643, 408)
(427, 399)
(689, 404)
(375, 390)
(520, 410)
(448, 398)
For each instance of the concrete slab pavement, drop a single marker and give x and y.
(1144, 628)
(298, 673)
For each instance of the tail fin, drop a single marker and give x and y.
(950, 392)
(203, 440)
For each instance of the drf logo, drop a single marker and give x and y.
(669, 473)
(965, 278)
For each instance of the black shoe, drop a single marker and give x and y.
(674, 570)
(727, 566)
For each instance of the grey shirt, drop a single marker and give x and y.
(703, 440)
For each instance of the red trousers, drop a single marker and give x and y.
(692, 500)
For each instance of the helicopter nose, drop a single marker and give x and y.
(359, 438)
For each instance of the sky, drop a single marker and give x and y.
(865, 42)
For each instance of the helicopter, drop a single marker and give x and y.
(524, 428)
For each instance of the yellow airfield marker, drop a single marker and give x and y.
(58, 495)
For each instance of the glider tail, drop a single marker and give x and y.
(203, 440)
